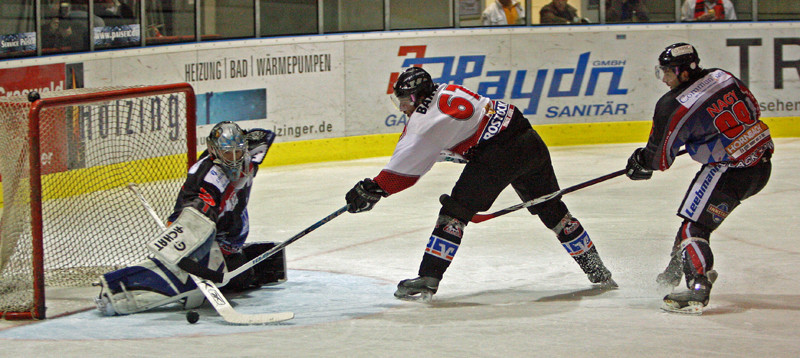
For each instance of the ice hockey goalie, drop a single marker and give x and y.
(211, 216)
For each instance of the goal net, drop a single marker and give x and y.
(65, 163)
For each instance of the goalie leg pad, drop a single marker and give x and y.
(271, 271)
(143, 286)
(206, 262)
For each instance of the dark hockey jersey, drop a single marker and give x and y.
(715, 117)
(210, 191)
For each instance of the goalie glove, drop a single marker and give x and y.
(635, 170)
(258, 143)
(364, 196)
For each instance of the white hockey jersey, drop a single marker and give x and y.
(451, 121)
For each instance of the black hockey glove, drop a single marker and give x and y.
(635, 170)
(363, 196)
(257, 137)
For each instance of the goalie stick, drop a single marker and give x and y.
(230, 275)
(477, 218)
(210, 290)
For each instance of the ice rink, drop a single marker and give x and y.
(512, 290)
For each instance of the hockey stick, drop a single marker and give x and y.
(477, 218)
(210, 290)
(230, 275)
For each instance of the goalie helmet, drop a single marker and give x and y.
(411, 87)
(678, 57)
(228, 147)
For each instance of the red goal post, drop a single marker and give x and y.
(65, 162)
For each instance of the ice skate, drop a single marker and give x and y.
(691, 301)
(595, 270)
(417, 289)
(601, 277)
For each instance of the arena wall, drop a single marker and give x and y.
(327, 96)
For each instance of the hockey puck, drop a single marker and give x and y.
(192, 317)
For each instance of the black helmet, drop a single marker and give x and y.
(681, 56)
(414, 82)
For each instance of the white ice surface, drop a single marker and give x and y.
(511, 291)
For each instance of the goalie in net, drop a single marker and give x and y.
(218, 187)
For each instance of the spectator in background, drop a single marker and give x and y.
(503, 12)
(56, 35)
(626, 11)
(707, 10)
(75, 15)
(79, 10)
(112, 10)
(559, 12)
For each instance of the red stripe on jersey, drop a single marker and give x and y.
(466, 144)
(680, 113)
(392, 182)
(229, 192)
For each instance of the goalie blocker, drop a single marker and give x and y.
(164, 278)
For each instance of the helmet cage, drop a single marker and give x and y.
(228, 147)
(411, 87)
(404, 103)
(662, 70)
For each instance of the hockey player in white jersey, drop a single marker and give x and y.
(218, 188)
(500, 148)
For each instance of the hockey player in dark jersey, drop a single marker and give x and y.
(499, 147)
(223, 195)
(714, 116)
(217, 186)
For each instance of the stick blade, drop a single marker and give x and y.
(232, 317)
(479, 218)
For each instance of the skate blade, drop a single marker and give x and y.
(425, 297)
(607, 284)
(693, 308)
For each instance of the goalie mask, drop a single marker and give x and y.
(228, 147)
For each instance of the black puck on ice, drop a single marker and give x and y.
(192, 317)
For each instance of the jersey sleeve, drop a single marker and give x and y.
(413, 156)
(667, 135)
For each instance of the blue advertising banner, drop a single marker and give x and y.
(215, 107)
(117, 35)
(21, 42)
